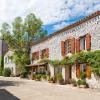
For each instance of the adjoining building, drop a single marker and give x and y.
(83, 35)
(9, 63)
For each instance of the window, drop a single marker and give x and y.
(68, 46)
(35, 56)
(83, 68)
(82, 43)
(43, 53)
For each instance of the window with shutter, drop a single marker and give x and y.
(77, 45)
(43, 53)
(68, 46)
(88, 71)
(63, 48)
(82, 67)
(88, 42)
(73, 45)
(77, 70)
(47, 52)
(83, 43)
(35, 56)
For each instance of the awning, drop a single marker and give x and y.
(36, 65)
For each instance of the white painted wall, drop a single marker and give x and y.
(9, 64)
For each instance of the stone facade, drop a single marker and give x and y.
(90, 26)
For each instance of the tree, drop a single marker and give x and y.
(20, 35)
(33, 27)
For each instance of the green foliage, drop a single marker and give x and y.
(2, 61)
(44, 61)
(94, 62)
(38, 77)
(19, 35)
(83, 75)
(65, 61)
(44, 77)
(55, 63)
(52, 79)
(74, 82)
(24, 72)
(68, 61)
(81, 82)
(91, 57)
(79, 58)
(6, 72)
(58, 76)
(1, 71)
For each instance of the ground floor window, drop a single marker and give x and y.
(82, 67)
(41, 70)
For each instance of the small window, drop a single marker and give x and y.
(83, 68)
(44, 53)
(35, 56)
(82, 43)
(68, 46)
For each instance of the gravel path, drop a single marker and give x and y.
(23, 89)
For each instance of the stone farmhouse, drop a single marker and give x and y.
(83, 35)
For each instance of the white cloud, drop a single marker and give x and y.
(50, 11)
(61, 25)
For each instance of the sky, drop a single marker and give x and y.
(55, 14)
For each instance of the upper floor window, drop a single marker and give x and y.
(68, 46)
(35, 56)
(43, 53)
(83, 43)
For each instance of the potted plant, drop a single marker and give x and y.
(38, 77)
(74, 83)
(51, 80)
(81, 83)
(59, 78)
(69, 81)
(44, 77)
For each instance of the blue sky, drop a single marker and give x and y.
(55, 14)
(60, 24)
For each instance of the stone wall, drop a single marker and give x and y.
(54, 44)
(92, 27)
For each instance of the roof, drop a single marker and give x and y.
(68, 27)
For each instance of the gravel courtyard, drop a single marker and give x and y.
(22, 89)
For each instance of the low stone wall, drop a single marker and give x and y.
(94, 82)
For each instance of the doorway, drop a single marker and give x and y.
(68, 72)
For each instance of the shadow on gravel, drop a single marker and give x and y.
(5, 95)
(8, 83)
